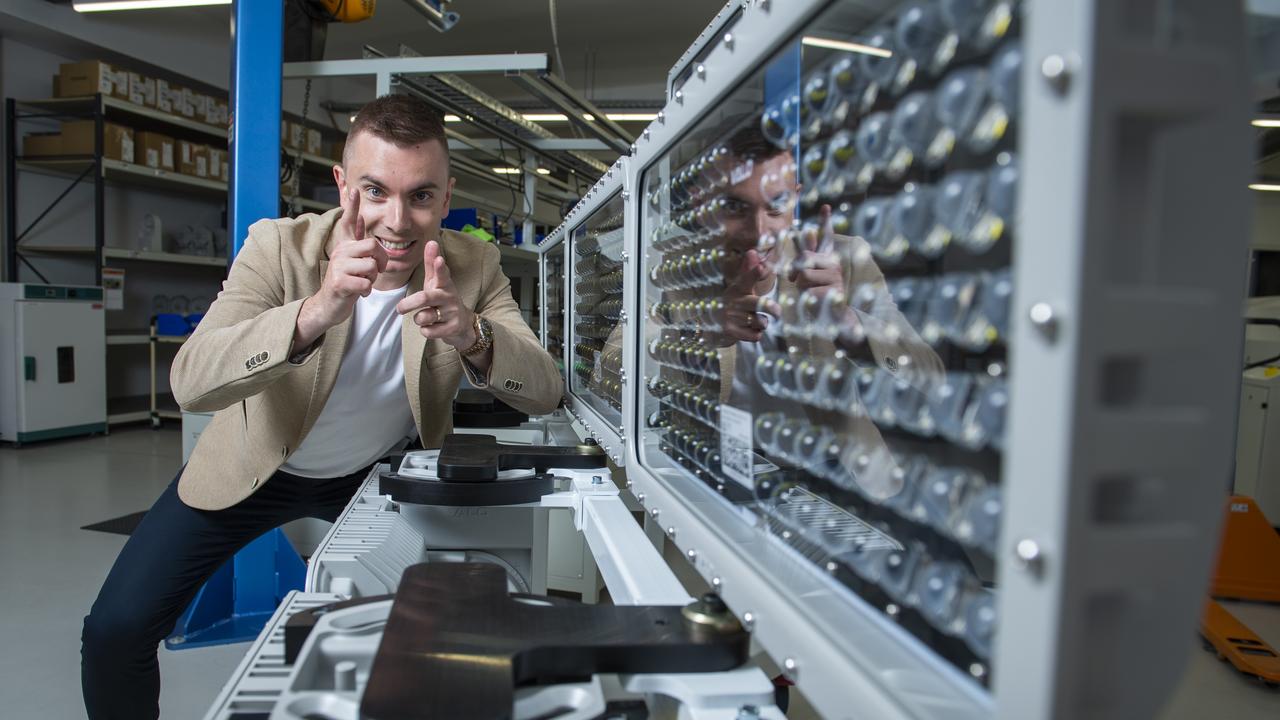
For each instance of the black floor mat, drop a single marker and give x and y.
(124, 525)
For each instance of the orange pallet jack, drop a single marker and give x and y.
(1248, 569)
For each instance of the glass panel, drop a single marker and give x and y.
(553, 304)
(597, 309)
(826, 288)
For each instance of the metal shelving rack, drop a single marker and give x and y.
(101, 171)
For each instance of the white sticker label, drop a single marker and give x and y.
(735, 444)
(1239, 507)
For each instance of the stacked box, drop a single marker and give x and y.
(155, 150)
(165, 93)
(42, 144)
(90, 77)
(217, 163)
(193, 159)
(142, 90)
(117, 140)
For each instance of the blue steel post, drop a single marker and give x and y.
(257, 46)
(236, 602)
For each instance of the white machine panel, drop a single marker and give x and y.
(53, 372)
(908, 385)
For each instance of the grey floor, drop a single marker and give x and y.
(52, 570)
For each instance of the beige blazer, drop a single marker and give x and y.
(237, 362)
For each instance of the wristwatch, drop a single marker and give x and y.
(484, 337)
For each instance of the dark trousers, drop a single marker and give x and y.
(174, 550)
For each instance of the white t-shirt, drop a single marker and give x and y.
(368, 412)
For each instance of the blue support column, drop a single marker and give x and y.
(241, 596)
(257, 41)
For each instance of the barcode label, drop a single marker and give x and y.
(735, 445)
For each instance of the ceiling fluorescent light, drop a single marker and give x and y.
(617, 117)
(1265, 187)
(452, 118)
(543, 171)
(846, 46)
(86, 6)
(632, 117)
(1266, 122)
(507, 170)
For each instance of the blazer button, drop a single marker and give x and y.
(284, 451)
(253, 484)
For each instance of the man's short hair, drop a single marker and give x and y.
(749, 142)
(403, 120)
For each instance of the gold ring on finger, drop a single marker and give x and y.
(439, 317)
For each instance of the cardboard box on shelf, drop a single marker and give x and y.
(155, 150)
(42, 144)
(89, 77)
(142, 90)
(217, 161)
(185, 103)
(193, 159)
(165, 92)
(313, 141)
(117, 140)
(297, 136)
(200, 105)
(215, 112)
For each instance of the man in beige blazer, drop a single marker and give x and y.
(335, 339)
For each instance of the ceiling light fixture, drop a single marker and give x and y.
(86, 6)
(507, 170)
(452, 118)
(543, 171)
(632, 117)
(1266, 122)
(1265, 187)
(846, 46)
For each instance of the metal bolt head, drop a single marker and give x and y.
(680, 96)
(627, 485)
(1057, 72)
(748, 620)
(625, 255)
(640, 498)
(701, 70)
(790, 669)
(597, 480)
(1028, 556)
(654, 513)
(662, 116)
(671, 530)
(625, 194)
(692, 554)
(1044, 319)
(715, 582)
(728, 40)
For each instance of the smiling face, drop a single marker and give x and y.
(759, 206)
(404, 194)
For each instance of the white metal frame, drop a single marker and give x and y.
(1096, 604)
(616, 182)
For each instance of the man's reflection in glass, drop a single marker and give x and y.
(817, 298)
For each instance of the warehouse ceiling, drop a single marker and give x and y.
(613, 50)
